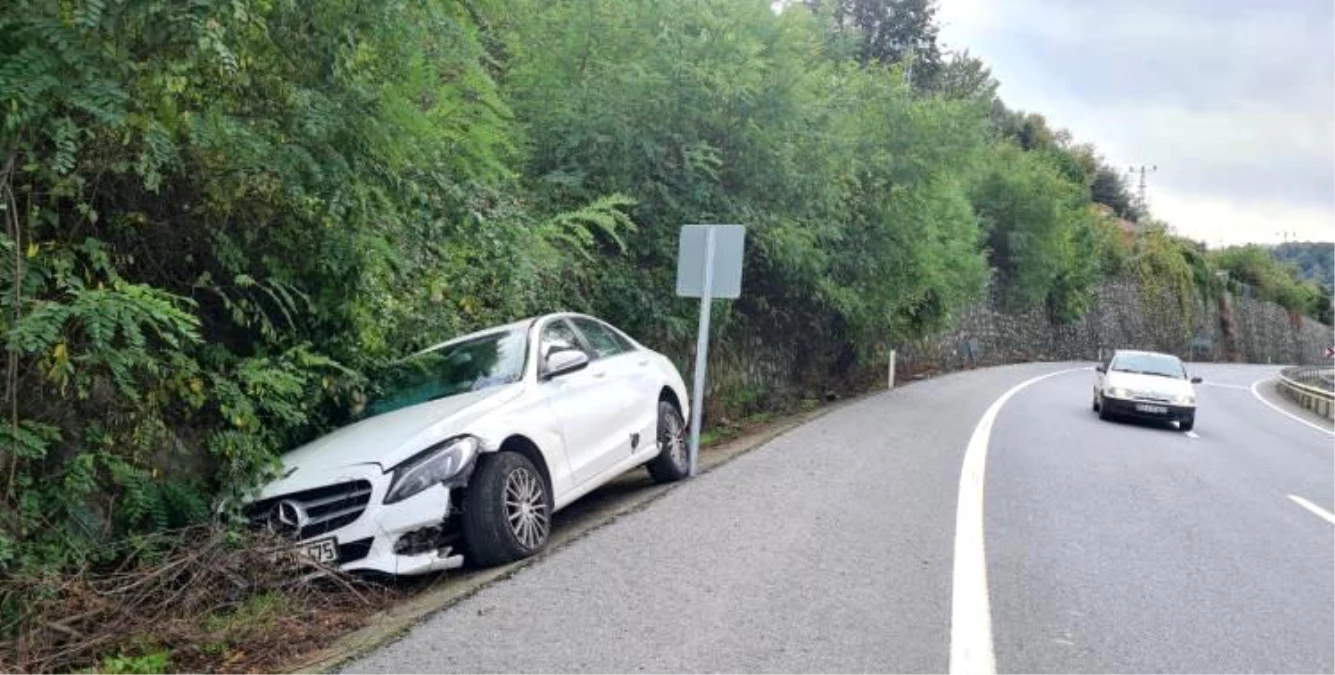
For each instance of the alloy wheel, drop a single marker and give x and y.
(672, 436)
(526, 508)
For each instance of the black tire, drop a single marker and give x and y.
(497, 528)
(1186, 424)
(673, 462)
(1095, 404)
(1104, 414)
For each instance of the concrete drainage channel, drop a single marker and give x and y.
(625, 495)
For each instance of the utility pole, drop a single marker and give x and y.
(1142, 204)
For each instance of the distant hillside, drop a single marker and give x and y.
(1315, 259)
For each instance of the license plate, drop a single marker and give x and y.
(1153, 409)
(321, 550)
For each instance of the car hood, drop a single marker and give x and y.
(1149, 384)
(385, 440)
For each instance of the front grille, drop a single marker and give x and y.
(1151, 398)
(325, 509)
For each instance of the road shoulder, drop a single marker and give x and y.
(1268, 391)
(627, 494)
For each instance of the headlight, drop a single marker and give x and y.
(1116, 392)
(1183, 399)
(438, 464)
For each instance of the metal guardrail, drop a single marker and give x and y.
(1312, 387)
(1315, 376)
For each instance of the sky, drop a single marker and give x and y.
(1232, 100)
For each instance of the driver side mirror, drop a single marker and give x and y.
(1196, 380)
(1101, 368)
(565, 361)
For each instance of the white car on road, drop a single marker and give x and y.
(1146, 385)
(471, 446)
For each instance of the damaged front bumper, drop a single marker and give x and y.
(406, 538)
(345, 523)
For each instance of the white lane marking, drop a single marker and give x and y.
(1225, 385)
(970, 610)
(1192, 434)
(1284, 412)
(1320, 512)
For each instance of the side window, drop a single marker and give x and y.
(626, 345)
(556, 336)
(603, 341)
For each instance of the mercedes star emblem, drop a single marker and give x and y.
(288, 517)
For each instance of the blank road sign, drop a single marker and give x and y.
(728, 243)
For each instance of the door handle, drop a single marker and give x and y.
(600, 374)
(642, 363)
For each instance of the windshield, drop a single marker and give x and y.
(1149, 364)
(472, 365)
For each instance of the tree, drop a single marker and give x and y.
(1315, 260)
(1038, 229)
(890, 31)
(1109, 188)
(963, 76)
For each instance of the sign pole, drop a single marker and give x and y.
(702, 350)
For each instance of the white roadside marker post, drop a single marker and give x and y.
(890, 377)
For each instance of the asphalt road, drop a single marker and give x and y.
(1110, 547)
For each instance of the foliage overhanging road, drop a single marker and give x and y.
(1111, 547)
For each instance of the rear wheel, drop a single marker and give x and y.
(507, 513)
(672, 463)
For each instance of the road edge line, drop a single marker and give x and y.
(1316, 510)
(971, 648)
(1282, 411)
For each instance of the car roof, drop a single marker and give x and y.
(522, 324)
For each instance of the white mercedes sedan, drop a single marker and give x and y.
(469, 447)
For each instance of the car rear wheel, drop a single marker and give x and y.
(673, 462)
(507, 513)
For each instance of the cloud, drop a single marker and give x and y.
(1232, 99)
(1224, 222)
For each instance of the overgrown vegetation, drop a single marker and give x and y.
(222, 216)
(1254, 271)
(1315, 260)
(195, 600)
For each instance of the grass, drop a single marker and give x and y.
(227, 629)
(154, 661)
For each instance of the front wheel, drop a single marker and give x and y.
(507, 511)
(1186, 424)
(673, 462)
